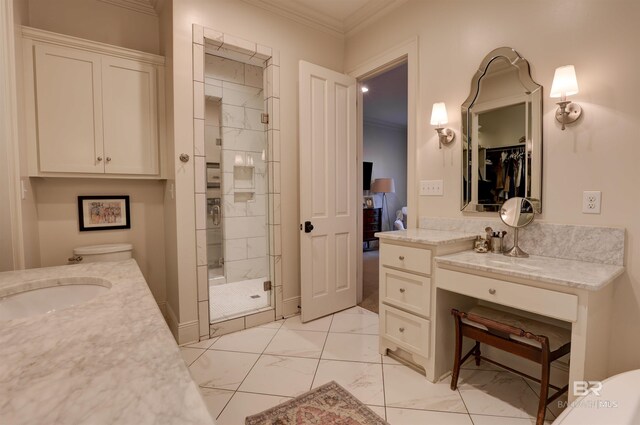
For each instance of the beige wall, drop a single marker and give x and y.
(98, 21)
(599, 153)
(50, 211)
(58, 223)
(30, 236)
(294, 42)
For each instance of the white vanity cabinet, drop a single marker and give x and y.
(93, 110)
(406, 290)
(573, 294)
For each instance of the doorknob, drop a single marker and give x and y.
(308, 227)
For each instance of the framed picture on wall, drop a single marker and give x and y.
(368, 201)
(103, 212)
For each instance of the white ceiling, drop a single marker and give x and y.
(338, 17)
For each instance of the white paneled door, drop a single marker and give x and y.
(328, 204)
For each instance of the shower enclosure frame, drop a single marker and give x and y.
(206, 40)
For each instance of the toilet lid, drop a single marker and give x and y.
(102, 249)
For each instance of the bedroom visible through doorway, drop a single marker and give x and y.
(384, 147)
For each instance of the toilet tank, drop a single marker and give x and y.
(106, 252)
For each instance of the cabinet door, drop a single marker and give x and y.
(130, 116)
(69, 110)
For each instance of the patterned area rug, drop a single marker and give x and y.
(329, 404)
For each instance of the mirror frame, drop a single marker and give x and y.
(534, 92)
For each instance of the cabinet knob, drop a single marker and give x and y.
(401, 329)
(492, 291)
(108, 159)
(402, 290)
(99, 158)
(401, 258)
(184, 157)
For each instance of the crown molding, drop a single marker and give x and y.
(302, 16)
(366, 16)
(143, 6)
(36, 34)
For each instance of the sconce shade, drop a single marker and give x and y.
(564, 82)
(439, 115)
(386, 185)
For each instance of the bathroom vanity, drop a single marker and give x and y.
(406, 289)
(569, 293)
(440, 274)
(109, 359)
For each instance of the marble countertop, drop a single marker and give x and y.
(110, 360)
(573, 273)
(426, 236)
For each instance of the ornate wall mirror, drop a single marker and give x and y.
(501, 134)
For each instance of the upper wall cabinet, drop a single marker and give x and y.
(93, 110)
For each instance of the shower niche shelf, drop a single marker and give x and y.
(244, 177)
(241, 196)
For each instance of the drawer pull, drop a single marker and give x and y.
(492, 291)
(401, 329)
(401, 258)
(402, 290)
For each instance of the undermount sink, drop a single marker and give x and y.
(50, 295)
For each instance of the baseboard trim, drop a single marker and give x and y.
(172, 321)
(290, 307)
(183, 333)
(162, 306)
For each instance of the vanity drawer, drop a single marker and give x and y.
(536, 300)
(405, 290)
(405, 257)
(405, 330)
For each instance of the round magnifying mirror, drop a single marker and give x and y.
(517, 212)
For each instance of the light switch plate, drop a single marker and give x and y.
(431, 188)
(591, 201)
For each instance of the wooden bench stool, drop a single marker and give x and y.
(524, 337)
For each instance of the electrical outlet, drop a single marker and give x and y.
(431, 188)
(591, 200)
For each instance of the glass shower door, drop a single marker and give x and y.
(237, 207)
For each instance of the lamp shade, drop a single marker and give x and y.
(564, 82)
(386, 185)
(439, 114)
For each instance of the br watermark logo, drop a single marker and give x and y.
(583, 388)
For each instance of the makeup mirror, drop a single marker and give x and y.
(501, 134)
(517, 213)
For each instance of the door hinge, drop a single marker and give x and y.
(264, 118)
(267, 285)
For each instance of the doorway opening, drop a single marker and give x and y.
(384, 163)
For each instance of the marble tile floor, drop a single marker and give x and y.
(246, 372)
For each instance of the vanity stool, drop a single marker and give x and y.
(524, 337)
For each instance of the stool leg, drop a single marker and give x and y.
(476, 353)
(457, 356)
(544, 387)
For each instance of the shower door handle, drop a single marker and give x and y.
(308, 227)
(216, 215)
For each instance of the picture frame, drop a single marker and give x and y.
(368, 202)
(103, 213)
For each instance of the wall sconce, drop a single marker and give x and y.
(565, 84)
(439, 118)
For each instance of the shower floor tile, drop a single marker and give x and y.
(233, 299)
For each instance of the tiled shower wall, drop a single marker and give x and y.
(244, 179)
(230, 47)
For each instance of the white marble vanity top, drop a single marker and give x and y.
(111, 360)
(427, 236)
(572, 273)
